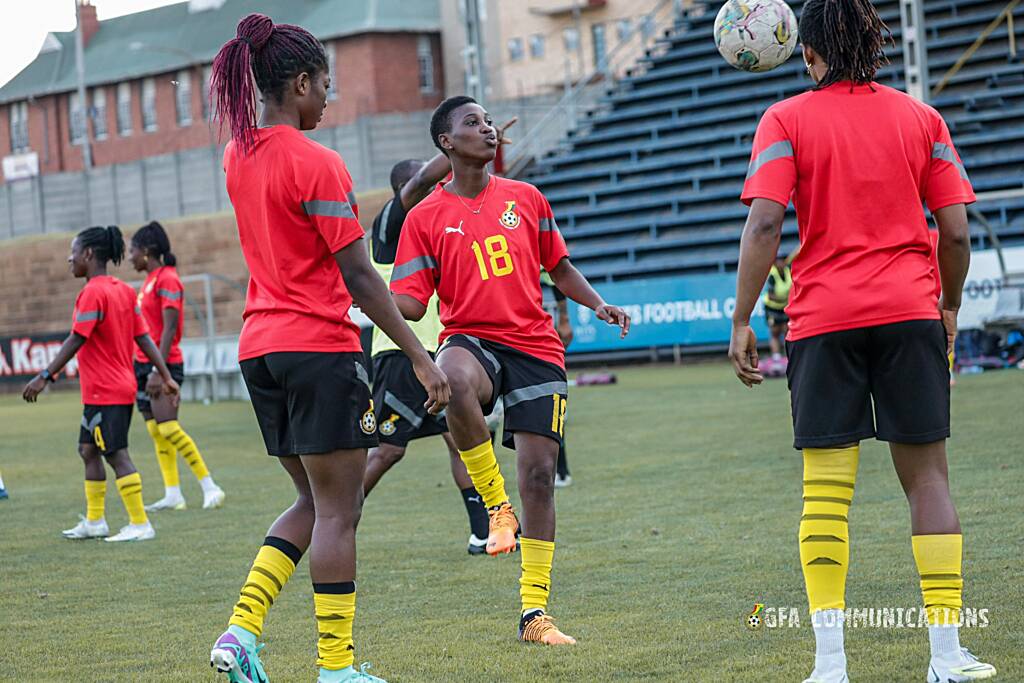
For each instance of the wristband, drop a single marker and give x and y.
(48, 376)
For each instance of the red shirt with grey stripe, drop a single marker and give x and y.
(161, 290)
(484, 266)
(109, 318)
(295, 208)
(857, 162)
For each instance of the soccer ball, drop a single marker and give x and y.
(755, 35)
(753, 622)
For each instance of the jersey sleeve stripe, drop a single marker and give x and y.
(548, 225)
(328, 208)
(534, 392)
(412, 267)
(945, 153)
(168, 294)
(403, 410)
(87, 316)
(777, 150)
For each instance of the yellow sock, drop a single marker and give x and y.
(95, 499)
(938, 558)
(165, 455)
(829, 476)
(130, 488)
(482, 467)
(335, 607)
(173, 432)
(535, 581)
(274, 564)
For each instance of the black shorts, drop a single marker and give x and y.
(775, 316)
(142, 371)
(106, 427)
(398, 399)
(534, 392)
(902, 367)
(311, 402)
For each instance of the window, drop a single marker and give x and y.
(124, 108)
(148, 105)
(76, 119)
(425, 56)
(600, 47)
(571, 37)
(624, 29)
(183, 98)
(99, 113)
(332, 67)
(19, 127)
(207, 75)
(515, 49)
(537, 46)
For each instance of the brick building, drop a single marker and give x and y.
(147, 75)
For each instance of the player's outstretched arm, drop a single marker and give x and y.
(954, 260)
(67, 351)
(575, 286)
(165, 383)
(372, 296)
(758, 247)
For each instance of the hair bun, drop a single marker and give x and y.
(255, 29)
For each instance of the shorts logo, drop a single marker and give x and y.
(387, 427)
(368, 423)
(509, 217)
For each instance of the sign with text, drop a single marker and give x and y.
(24, 356)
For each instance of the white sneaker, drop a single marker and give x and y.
(213, 498)
(168, 502)
(833, 676)
(134, 532)
(87, 529)
(563, 482)
(966, 667)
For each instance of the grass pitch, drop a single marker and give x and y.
(683, 515)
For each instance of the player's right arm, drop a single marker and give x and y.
(421, 184)
(67, 351)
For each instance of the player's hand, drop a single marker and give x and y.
(435, 382)
(564, 330)
(154, 385)
(500, 130)
(613, 315)
(174, 391)
(743, 354)
(33, 389)
(949, 322)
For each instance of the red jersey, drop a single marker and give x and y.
(933, 237)
(108, 317)
(161, 290)
(295, 208)
(484, 266)
(857, 162)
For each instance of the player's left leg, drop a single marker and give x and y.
(378, 462)
(3, 490)
(129, 485)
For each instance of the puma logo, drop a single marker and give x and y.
(449, 230)
(472, 499)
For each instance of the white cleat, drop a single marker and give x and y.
(134, 532)
(87, 529)
(828, 677)
(213, 499)
(563, 482)
(168, 503)
(959, 669)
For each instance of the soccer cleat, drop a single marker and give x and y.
(961, 668)
(348, 675)
(134, 532)
(562, 482)
(477, 546)
(3, 494)
(168, 503)
(834, 676)
(242, 664)
(213, 498)
(503, 527)
(87, 529)
(537, 627)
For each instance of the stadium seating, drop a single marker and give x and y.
(648, 183)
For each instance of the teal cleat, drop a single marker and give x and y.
(238, 658)
(348, 675)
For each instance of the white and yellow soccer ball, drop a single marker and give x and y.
(755, 35)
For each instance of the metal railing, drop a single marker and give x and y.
(1005, 15)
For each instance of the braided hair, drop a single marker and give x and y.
(153, 238)
(267, 53)
(849, 35)
(107, 244)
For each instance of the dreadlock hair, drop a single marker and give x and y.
(441, 119)
(849, 35)
(267, 53)
(403, 171)
(153, 238)
(107, 243)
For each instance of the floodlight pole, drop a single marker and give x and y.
(476, 75)
(80, 68)
(915, 49)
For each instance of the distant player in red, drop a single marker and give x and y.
(868, 335)
(105, 326)
(480, 242)
(162, 300)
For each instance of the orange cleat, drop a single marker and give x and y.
(540, 629)
(503, 527)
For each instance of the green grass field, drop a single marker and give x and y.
(683, 515)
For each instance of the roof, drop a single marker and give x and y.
(170, 38)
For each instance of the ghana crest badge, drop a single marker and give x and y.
(387, 427)
(509, 217)
(368, 423)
